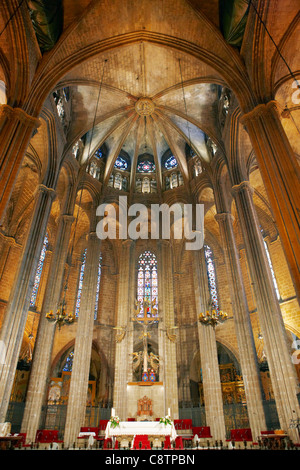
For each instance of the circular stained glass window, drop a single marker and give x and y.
(170, 163)
(146, 167)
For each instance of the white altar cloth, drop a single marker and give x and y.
(134, 428)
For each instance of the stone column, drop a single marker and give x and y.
(13, 327)
(40, 369)
(167, 320)
(282, 371)
(243, 328)
(280, 172)
(124, 310)
(212, 390)
(16, 129)
(83, 344)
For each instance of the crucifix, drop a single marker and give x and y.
(145, 313)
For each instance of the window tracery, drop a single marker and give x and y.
(147, 279)
(69, 362)
(197, 167)
(38, 273)
(272, 270)
(98, 286)
(171, 163)
(211, 274)
(121, 163)
(81, 276)
(146, 167)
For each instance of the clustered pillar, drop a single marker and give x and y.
(244, 334)
(83, 344)
(212, 390)
(16, 128)
(13, 327)
(124, 310)
(282, 371)
(41, 363)
(167, 320)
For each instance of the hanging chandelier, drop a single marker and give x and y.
(212, 316)
(60, 317)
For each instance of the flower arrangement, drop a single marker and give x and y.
(115, 421)
(166, 420)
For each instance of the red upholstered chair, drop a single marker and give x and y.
(47, 436)
(240, 435)
(107, 443)
(89, 429)
(202, 431)
(102, 428)
(178, 443)
(187, 424)
(141, 442)
(167, 443)
(102, 424)
(178, 424)
(131, 419)
(22, 442)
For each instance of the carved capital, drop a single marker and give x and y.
(45, 189)
(241, 187)
(260, 110)
(68, 218)
(222, 216)
(18, 113)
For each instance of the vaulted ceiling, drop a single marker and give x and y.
(147, 95)
(143, 97)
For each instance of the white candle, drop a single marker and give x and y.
(113, 412)
(169, 412)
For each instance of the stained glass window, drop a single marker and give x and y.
(211, 274)
(147, 281)
(75, 149)
(98, 287)
(271, 265)
(79, 291)
(171, 162)
(69, 362)
(121, 163)
(146, 167)
(98, 153)
(38, 273)
(197, 167)
(272, 270)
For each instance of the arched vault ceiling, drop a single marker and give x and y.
(184, 94)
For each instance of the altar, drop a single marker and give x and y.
(127, 430)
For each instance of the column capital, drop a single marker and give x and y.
(260, 110)
(11, 241)
(45, 189)
(237, 188)
(68, 217)
(93, 235)
(221, 216)
(127, 243)
(13, 113)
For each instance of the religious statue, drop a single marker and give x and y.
(145, 313)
